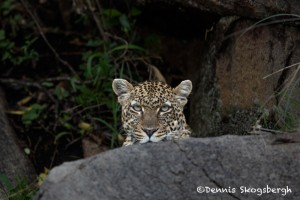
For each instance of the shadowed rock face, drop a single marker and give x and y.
(13, 162)
(174, 170)
(231, 89)
(247, 58)
(245, 8)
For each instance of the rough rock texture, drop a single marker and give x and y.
(246, 59)
(231, 89)
(174, 170)
(13, 163)
(246, 8)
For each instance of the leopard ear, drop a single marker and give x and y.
(182, 91)
(122, 89)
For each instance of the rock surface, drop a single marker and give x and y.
(246, 59)
(13, 162)
(231, 89)
(174, 170)
(245, 8)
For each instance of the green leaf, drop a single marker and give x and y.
(112, 13)
(2, 34)
(73, 83)
(94, 43)
(89, 64)
(124, 22)
(6, 182)
(129, 46)
(7, 6)
(6, 56)
(60, 92)
(295, 102)
(33, 113)
(60, 135)
(134, 12)
(105, 123)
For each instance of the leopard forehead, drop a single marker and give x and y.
(152, 94)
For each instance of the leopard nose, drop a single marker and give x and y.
(149, 131)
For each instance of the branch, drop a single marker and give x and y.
(45, 38)
(101, 30)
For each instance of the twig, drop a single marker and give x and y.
(53, 157)
(20, 82)
(60, 78)
(99, 26)
(36, 145)
(46, 40)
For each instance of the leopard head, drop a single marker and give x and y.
(152, 111)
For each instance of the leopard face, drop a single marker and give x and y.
(152, 111)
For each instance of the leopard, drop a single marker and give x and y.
(152, 111)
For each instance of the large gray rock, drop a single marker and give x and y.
(174, 170)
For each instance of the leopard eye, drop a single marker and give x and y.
(165, 108)
(137, 108)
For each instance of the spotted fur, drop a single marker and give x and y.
(152, 111)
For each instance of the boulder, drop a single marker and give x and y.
(244, 167)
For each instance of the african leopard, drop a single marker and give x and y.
(152, 111)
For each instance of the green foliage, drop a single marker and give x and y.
(10, 51)
(98, 70)
(72, 108)
(61, 93)
(22, 191)
(33, 113)
(125, 22)
(16, 54)
(62, 74)
(288, 114)
(6, 7)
